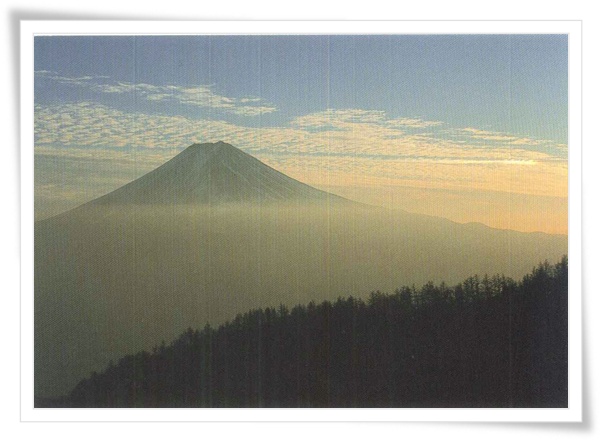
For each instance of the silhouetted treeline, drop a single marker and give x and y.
(487, 342)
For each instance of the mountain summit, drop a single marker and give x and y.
(213, 173)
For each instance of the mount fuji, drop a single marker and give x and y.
(213, 173)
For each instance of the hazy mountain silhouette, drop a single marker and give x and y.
(215, 232)
(212, 173)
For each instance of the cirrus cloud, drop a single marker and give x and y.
(339, 145)
(198, 96)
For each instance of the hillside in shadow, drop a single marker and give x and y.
(485, 342)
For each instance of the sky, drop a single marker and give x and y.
(473, 128)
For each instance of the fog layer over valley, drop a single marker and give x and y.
(176, 249)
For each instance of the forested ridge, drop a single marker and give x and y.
(487, 342)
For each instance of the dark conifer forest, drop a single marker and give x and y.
(487, 342)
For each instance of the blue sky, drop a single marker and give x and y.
(354, 114)
(513, 83)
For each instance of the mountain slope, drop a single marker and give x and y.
(214, 232)
(212, 173)
(413, 348)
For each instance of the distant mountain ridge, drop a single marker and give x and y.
(213, 173)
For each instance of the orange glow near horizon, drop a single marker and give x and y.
(521, 197)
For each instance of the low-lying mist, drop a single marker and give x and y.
(115, 280)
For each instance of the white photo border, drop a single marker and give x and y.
(30, 29)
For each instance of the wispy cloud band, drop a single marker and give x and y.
(319, 148)
(198, 96)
